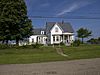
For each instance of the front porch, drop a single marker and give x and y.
(41, 39)
(66, 39)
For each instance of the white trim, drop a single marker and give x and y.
(68, 33)
(58, 26)
(42, 32)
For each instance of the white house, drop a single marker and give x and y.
(41, 39)
(53, 33)
(38, 37)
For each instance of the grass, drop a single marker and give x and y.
(83, 52)
(47, 54)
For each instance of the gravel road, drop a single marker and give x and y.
(73, 67)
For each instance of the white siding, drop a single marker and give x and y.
(72, 37)
(42, 39)
(32, 37)
(53, 32)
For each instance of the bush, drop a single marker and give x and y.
(24, 46)
(76, 43)
(36, 45)
(29, 46)
(5, 46)
(94, 41)
(62, 44)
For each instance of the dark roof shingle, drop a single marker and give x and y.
(65, 26)
(37, 31)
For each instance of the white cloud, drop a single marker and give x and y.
(74, 6)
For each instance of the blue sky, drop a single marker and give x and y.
(69, 9)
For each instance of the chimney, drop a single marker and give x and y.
(62, 21)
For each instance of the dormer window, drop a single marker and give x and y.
(42, 32)
(56, 29)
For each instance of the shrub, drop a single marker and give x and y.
(24, 46)
(76, 43)
(5, 46)
(94, 41)
(62, 44)
(36, 45)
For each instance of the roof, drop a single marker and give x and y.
(65, 26)
(37, 31)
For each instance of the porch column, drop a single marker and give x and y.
(52, 39)
(59, 38)
(38, 39)
(68, 38)
(55, 38)
(63, 38)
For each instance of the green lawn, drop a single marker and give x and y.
(46, 54)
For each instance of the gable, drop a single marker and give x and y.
(56, 29)
(66, 27)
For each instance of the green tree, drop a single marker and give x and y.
(92, 41)
(98, 38)
(83, 33)
(14, 23)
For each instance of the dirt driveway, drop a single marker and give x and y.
(76, 67)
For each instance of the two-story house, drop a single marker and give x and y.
(53, 33)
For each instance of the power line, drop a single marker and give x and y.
(71, 17)
(45, 11)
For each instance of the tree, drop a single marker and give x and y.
(98, 38)
(77, 42)
(83, 33)
(14, 23)
(94, 40)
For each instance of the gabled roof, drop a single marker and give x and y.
(37, 31)
(65, 26)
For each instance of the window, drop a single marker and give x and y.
(53, 38)
(56, 29)
(32, 40)
(42, 32)
(57, 38)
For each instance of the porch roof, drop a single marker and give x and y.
(68, 33)
(65, 34)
